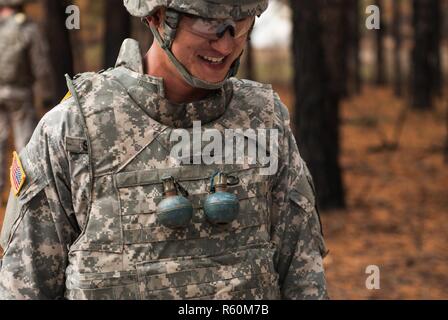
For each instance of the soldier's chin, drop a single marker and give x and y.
(211, 76)
(219, 81)
(223, 77)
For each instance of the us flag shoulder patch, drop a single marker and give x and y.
(17, 174)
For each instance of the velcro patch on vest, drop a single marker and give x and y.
(17, 174)
(76, 145)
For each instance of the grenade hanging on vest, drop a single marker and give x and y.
(220, 207)
(175, 211)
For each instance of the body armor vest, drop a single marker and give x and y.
(123, 251)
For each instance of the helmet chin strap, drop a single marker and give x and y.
(189, 78)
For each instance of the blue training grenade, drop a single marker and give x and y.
(220, 206)
(175, 211)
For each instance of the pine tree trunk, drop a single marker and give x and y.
(317, 101)
(396, 30)
(380, 74)
(335, 30)
(436, 12)
(118, 28)
(356, 46)
(354, 63)
(60, 48)
(426, 79)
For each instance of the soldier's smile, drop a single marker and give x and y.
(216, 64)
(212, 60)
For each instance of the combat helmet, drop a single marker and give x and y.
(208, 9)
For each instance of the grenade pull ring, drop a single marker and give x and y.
(174, 211)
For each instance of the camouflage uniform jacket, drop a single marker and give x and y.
(84, 224)
(23, 58)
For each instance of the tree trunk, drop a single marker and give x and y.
(436, 12)
(354, 63)
(335, 30)
(60, 48)
(446, 136)
(380, 74)
(317, 101)
(425, 53)
(396, 31)
(356, 47)
(118, 28)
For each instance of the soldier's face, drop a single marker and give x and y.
(206, 59)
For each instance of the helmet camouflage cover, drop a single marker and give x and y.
(213, 9)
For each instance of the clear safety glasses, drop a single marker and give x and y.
(214, 29)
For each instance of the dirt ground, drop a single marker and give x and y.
(397, 200)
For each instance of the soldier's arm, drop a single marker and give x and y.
(40, 223)
(296, 227)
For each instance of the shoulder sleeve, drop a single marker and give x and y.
(40, 223)
(296, 228)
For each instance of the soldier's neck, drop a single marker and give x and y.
(176, 89)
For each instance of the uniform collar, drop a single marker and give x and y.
(148, 92)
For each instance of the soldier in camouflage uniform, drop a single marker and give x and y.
(85, 223)
(23, 59)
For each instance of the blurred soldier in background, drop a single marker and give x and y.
(23, 60)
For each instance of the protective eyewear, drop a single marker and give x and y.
(214, 29)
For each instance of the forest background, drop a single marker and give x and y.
(369, 108)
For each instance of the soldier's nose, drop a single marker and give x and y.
(225, 44)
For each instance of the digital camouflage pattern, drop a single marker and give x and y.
(23, 60)
(222, 9)
(84, 225)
